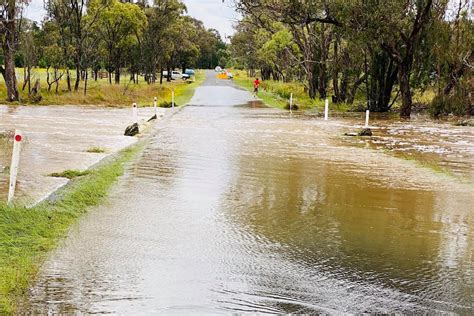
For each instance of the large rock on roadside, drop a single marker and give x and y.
(132, 130)
(365, 132)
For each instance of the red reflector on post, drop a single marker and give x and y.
(18, 138)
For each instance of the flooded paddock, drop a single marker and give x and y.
(236, 208)
(58, 139)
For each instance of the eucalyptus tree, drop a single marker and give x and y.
(156, 42)
(10, 11)
(76, 26)
(119, 24)
(379, 44)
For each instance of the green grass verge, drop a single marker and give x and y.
(270, 99)
(184, 93)
(277, 94)
(27, 235)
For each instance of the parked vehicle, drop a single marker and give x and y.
(174, 75)
(190, 72)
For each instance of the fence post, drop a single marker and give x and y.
(326, 109)
(172, 98)
(291, 102)
(14, 165)
(367, 114)
(135, 113)
(154, 105)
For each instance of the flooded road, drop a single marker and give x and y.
(237, 208)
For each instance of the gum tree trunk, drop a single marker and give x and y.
(8, 47)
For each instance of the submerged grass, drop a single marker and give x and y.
(70, 174)
(425, 163)
(27, 235)
(96, 150)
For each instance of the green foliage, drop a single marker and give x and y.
(459, 103)
(385, 51)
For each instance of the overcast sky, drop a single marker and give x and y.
(213, 13)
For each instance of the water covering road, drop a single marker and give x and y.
(237, 208)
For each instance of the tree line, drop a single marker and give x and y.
(380, 51)
(78, 39)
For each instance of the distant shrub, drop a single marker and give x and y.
(167, 104)
(459, 103)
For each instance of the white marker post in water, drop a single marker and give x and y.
(291, 102)
(367, 114)
(326, 109)
(154, 105)
(17, 140)
(172, 98)
(135, 113)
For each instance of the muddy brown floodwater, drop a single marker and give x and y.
(237, 208)
(58, 138)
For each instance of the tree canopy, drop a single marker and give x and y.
(381, 50)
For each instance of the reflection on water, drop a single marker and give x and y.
(247, 209)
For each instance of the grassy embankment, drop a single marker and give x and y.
(27, 235)
(102, 93)
(277, 94)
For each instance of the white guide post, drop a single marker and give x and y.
(291, 102)
(367, 114)
(17, 140)
(154, 105)
(172, 98)
(135, 113)
(326, 109)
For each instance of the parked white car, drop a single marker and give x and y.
(174, 75)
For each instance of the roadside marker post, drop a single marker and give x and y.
(135, 113)
(172, 98)
(291, 102)
(154, 105)
(326, 109)
(17, 140)
(367, 114)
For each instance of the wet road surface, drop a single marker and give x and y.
(237, 208)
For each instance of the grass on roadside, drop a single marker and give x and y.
(277, 94)
(95, 150)
(100, 92)
(27, 235)
(69, 174)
